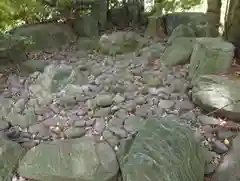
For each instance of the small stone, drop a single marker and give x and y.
(118, 131)
(140, 100)
(74, 132)
(104, 100)
(207, 120)
(102, 112)
(219, 147)
(91, 104)
(118, 99)
(166, 104)
(177, 85)
(222, 134)
(99, 125)
(184, 105)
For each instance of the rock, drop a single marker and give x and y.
(86, 43)
(10, 154)
(56, 78)
(207, 120)
(209, 56)
(211, 163)
(181, 31)
(104, 100)
(212, 92)
(190, 30)
(156, 27)
(45, 36)
(12, 49)
(229, 167)
(219, 147)
(32, 66)
(86, 26)
(173, 20)
(79, 159)
(166, 104)
(153, 51)
(150, 157)
(118, 43)
(178, 52)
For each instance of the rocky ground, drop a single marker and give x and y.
(91, 106)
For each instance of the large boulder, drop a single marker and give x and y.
(213, 92)
(119, 42)
(10, 154)
(79, 159)
(164, 150)
(45, 36)
(209, 56)
(173, 20)
(178, 52)
(12, 49)
(190, 30)
(86, 26)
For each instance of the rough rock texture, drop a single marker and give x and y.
(80, 159)
(86, 26)
(118, 42)
(153, 51)
(190, 30)
(229, 168)
(45, 36)
(209, 56)
(99, 101)
(214, 92)
(12, 50)
(164, 150)
(178, 52)
(175, 19)
(10, 155)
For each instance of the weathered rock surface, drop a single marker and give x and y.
(12, 49)
(118, 42)
(209, 56)
(217, 92)
(178, 52)
(10, 155)
(69, 160)
(161, 151)
(229, 168)
(45, 36)
(173, 20)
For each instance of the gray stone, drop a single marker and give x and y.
(166, 104)
(178, 52)
(212, 92)
(229, 167)
(73, 132)
(104, 100)
(71, 155)
(45, 36)
(162, 145)
(184, 105)
(11, 153)
(118, 43)
(219, 147)
(210, 56)
(208, 120)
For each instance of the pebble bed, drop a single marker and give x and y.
(117, 93)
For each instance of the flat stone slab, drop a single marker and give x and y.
(213, 92)
(69, 160)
